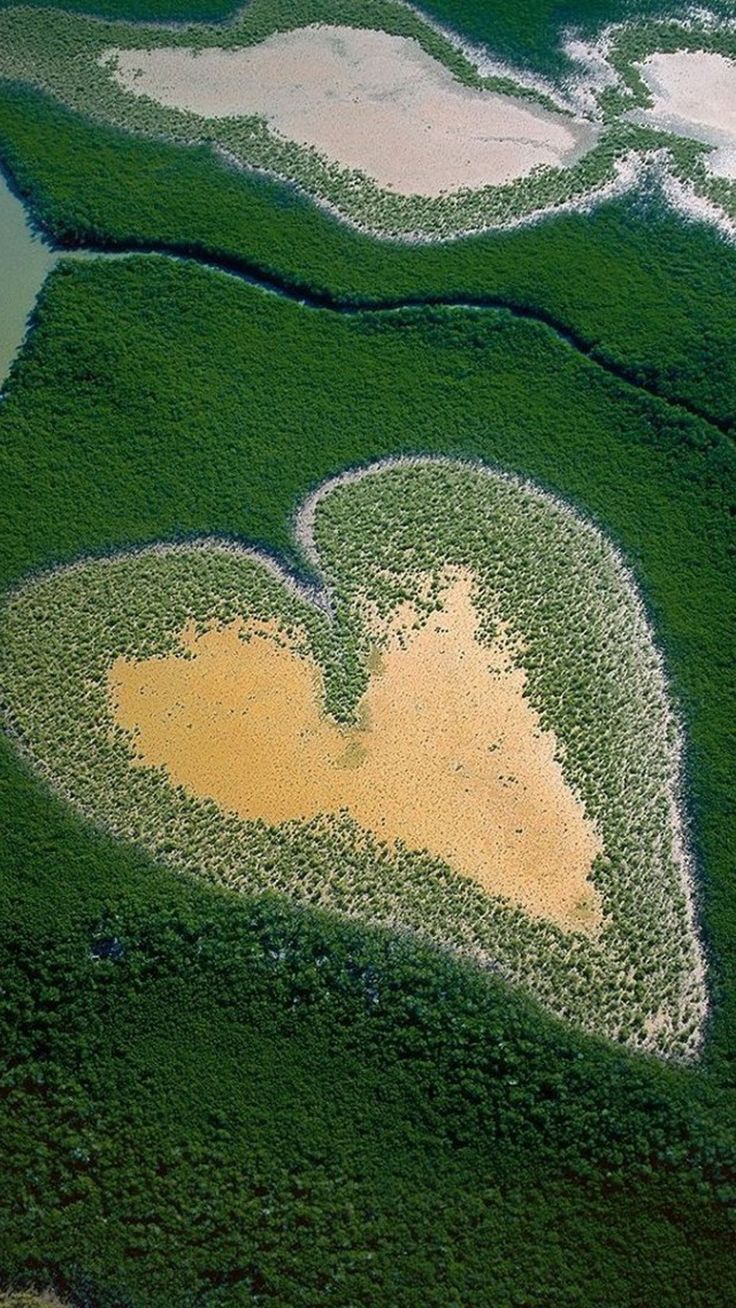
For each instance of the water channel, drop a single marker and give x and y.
(25, 259)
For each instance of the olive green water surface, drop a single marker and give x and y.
(25, 260)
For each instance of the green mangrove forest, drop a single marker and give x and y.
(213, 1097)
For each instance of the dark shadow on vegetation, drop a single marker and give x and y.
(311, 298)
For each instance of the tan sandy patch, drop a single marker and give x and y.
(694, 95)
(367, 100)
(449, 755)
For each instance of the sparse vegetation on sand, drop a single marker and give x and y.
(29, 1299)
(373, 103)
(164, 82)
(445, 753)
(594, 678)
(695, 178)
(74, 60)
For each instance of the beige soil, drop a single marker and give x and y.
(694, 95)
(449, 755)
(367, 100)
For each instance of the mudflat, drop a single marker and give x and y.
(694, 95)
(368, 101)
(448, 754)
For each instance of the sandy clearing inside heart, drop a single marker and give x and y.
(448, 754)
(366, 99)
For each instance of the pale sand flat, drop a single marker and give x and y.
(366, 100)
(694, 95)
(449, 755)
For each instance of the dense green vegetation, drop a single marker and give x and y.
(526, 33)
(593, 674)
(613, 276)
(225, 1060)
(220, 1109)
(160, 11)
(530, 33)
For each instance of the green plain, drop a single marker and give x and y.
(201, 1104)
(322, 1148)
(646, 290)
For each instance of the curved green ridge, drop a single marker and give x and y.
(320, 300)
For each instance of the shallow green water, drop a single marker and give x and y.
(24, 262)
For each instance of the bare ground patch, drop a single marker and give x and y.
(448, 755)
(370, 101)
(694, 95)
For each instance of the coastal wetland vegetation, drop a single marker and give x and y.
(213, 1099)
(149, 404)
(385, 541)
(99, 70)
(610, 278)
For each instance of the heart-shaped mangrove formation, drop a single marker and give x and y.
(464, 730)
